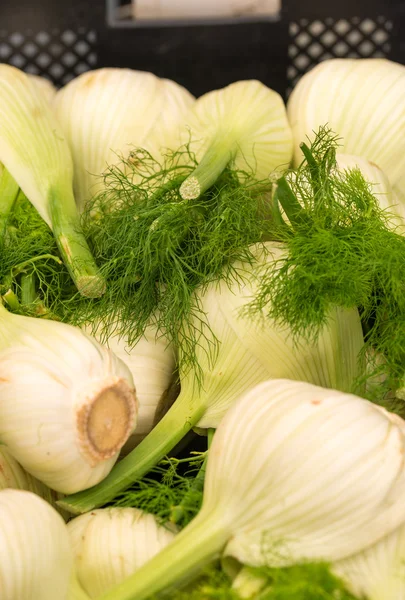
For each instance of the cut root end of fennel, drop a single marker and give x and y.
(190, 189)
(106, 419)
(91, 286)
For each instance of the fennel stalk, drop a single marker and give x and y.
(8, 195)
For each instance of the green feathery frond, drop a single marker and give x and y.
(154, 248)
(309, 581)
(342, 251)
(169, 491)
(29, 250)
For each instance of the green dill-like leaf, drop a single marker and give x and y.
(342, 252)
(29, 249)
(213, 584)
(310, 581)
(167, 489)
(154, 248)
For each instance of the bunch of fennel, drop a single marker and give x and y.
(155, 241)
(303, 450)
(249, 352)
(68, 404)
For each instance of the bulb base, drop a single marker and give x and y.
(105, 419)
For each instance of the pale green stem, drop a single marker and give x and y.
(248, 583)
(178, 512)
(8, 195)
(176, 423)
(217, 157)
(72, 245)
(28, 289)
(21, 267)
(11, 300)
(198, 545)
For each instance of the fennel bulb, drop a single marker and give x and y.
(295, 472)
(244, 124)
(13, 476)
(110, 544)
(34, 151)
(107, 112)
(250, 351)
(380, 188)
(363, 101)
(152, 364)
(67, 404)
(36, 557)
(46, 87)
(378, 572)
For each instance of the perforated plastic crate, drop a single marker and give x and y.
(61, 41)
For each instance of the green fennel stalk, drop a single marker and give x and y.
(8, 195)
(208, 170)
(339, 202)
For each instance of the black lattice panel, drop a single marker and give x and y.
(57, 55)
(314, 41)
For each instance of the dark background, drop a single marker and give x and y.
(199, 57)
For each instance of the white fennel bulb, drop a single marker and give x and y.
(381, 188)
(250, 351)
(378, 573)
(244, 124)
(152, 364)
(110, 544)
(106, 113)
(362, 101)
(67, 404)
(36, 556)
(46, 87)
(295, 472)
(35, 153)
(13, 476)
